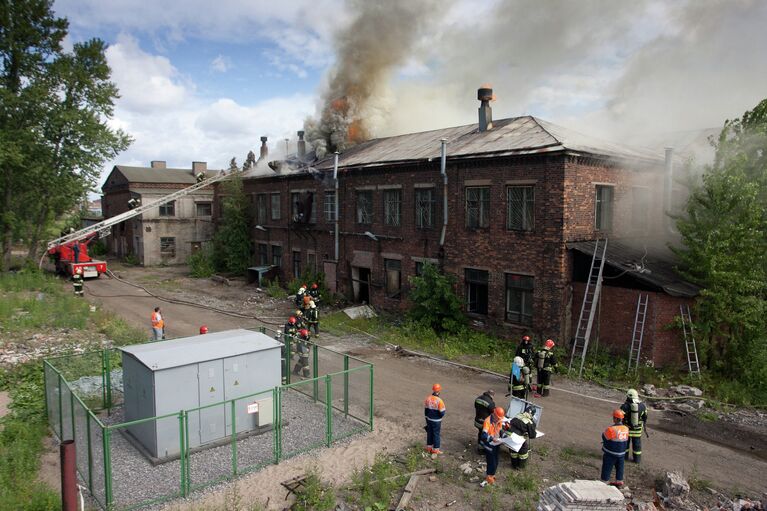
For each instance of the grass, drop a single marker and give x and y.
(373, 485)
(573, 453)
(273, 289)
(314, 495)
(21, 443)
(520, 481)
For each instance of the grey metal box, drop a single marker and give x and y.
(191, 372)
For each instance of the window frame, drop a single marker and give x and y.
(277, 258)
(329, 206)
(296, 258)
(261, 211)
(167, 241)
(526, 296)
(469, 282)
(273, 203)
(263, 254)
(396, 266)
(526, 204)
(392, 198)
(420, 205)
(604, 215)
(203, 203)
(482, 207)
(364, 217)
(168, 209)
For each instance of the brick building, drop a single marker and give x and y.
(168, 234)
(515, 195)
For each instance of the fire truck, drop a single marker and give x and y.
(72, 259)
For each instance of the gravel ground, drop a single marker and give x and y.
(136, 480)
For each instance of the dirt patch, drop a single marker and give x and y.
(50, 473)
(5, 400)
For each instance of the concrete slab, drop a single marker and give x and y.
(362, 311)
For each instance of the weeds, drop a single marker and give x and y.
(707, 416)
(274, 290)
(373, 485)
(20, 448)
(201, 263)
(314, 495)
(520, 481)
(573, 453)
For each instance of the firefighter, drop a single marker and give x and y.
(635, 417)
(158, 324)
(77, 284)
(483, 407)
(313, 318)
(615, 442)
(523, 425)
(545, 363)
(300, 320)
(526, 350)
(302, 346)
(76, 251)
(492, 432)
(200, 177)
(434, 411)
(314, 292)
(300, 295)
(517, 384)
(290, 326)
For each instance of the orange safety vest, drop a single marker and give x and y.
(157, 321)
(492, 428)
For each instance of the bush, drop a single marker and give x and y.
(274, 289)
(310, 277)
(435, 302)
(98, 248)
(201, 263)
(131, 259)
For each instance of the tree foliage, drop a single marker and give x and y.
(435, 302)
(54, 112)
(724, 233)
(231, 243)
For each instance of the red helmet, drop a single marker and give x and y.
(618, 414)
(304, 332)
(436, 387)
(307, 299)
(499, 412)
(526, 338)
(549, 343)
(292, 320)
(304, 285)
(315, 286)
(203, 329)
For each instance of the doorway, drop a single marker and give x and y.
(361, 284)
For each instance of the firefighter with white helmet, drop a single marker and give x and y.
(313, 318)
(545, 362)
(517, 380)
(77, 284)
(635, 417)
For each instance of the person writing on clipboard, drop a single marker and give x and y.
(523, 425)
(492, 432)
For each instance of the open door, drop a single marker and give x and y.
(361, 284)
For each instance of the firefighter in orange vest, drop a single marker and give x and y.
(434, 411)
(158, 324)
(492, 432)
(615, 443)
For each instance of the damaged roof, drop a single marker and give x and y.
(512, 136)
(649, 268)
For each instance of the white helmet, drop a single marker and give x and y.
(312, 305)
(519, 361)
(632, 395)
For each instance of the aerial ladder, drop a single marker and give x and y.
(103, 228)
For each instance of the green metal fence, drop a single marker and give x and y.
(83, 395)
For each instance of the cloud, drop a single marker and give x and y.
(221, 64)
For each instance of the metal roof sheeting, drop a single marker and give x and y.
(152, 175)
(200, 348)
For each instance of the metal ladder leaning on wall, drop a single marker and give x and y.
(689, 341)
(638, 334)
(588, 307)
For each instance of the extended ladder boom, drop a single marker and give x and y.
(109, 222)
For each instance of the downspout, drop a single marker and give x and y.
(335, 182)
(443, 171)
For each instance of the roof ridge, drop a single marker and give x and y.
(538, 122)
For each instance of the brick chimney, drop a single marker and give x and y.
(264, 150)
(158, 164)
(199, 166)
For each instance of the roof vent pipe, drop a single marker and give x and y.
(443, 171)
(264, 150)
(301, 146)
(485, 96)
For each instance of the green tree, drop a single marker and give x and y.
(54, 110)
(231, 243)
(724, 234)
(434, 301)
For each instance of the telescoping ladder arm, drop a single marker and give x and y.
(109, 222)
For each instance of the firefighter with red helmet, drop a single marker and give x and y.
(545, 362)
(314, 292)
(434, 412)
(526, 350)
(615, 443)
(302, 347)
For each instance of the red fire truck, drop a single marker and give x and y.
(72, 259)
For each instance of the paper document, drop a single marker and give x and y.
(514, 441)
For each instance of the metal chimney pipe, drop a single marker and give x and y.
(335, 182)
(301, 145)
(443, 171)
(264, 150)
(485, 95)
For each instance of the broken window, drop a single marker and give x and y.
(303, 208)
(168, 247)
(640, 207)
(519, 299)
(204, 209)
(276, 255)
(476, 290)
(521, 200)
(392, 207)
(263, 254)
(276, 207)
(604, 208)
(168, 209)
(393, 277)
(424, 208)
(365, 207)
(261, 208)
(297, 264)
(330, 206)
(477, 207)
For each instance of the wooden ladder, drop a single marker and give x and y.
(638, 334)
(589, 306)
(689, 341)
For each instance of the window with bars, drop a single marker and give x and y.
(521, 202)
(276, 255)
(168, 247)
(393, 277)
(330, 206)
(476, 290)
(204, 208)
(297, 264)
(365, 207)
(477, 207)
(424, 208)
(311, 262)
(261, 208)
(604, 208)
(168, 209)
(276, 207)
(519, 298)
(392, 207)
(263, 254)
(640, 207)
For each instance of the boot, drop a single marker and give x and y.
(545, 392)
(637, 458)
(515, 463)
(522, 463)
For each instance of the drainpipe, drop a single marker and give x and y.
(335, 181)
(443, 171)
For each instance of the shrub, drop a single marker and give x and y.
(274, 289)
(435, 302)
(201, 264)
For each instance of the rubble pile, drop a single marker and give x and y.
(41, 345)
(582, 495)
(691, 405)
(676, 495)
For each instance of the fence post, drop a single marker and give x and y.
(329, 408)
(262, 329)
(346, 385)
(181, 443)
(72, 412)
(103, 379)
(315, 363)
(371, 397)
(108, 373)
(277, 424)
(187, 476)
(107, 469)
(234, 440)
(45, 387)
(90, 450)
(61, 412)
(288, 358)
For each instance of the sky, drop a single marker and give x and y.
(202, 81)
